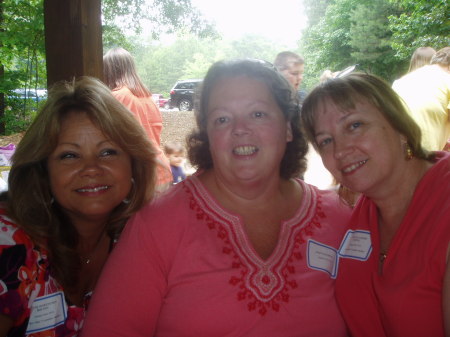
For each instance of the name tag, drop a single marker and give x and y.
(356, 245)
(47, 312)
(322, 257)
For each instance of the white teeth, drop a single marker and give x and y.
(245, 150)
(354, 166)
(95, 189)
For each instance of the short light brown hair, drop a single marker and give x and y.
(345, 91)
(286, 59)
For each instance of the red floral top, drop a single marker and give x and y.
(28, 294)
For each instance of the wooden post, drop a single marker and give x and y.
(73, 39)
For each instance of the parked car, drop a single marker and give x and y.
(160, 101)
(35, 95)
(182, 94)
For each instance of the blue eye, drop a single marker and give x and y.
(355, 125)
(323, 142)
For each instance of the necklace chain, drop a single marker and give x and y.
(87, 259)
(383, 257)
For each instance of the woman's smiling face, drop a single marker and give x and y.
(246, 128)
(358, 146)
(89, 174)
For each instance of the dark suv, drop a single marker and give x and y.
(182, 94)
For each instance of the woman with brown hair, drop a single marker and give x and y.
(394, 271)
(82, 168)
(121, 77)
(241, 248)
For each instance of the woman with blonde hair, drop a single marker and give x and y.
(82, 169)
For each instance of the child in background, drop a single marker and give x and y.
(176, 154)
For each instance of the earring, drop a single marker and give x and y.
(408, 152)
(126, 200)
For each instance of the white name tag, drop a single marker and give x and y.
(47, 312)
(322, 257)
(356, 245)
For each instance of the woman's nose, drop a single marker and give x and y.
(240, 127)
(342, 148)
(91, 167)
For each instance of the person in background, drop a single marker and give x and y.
(236, 249)
(421, 57)
(394, 270)
(121, 77)
(426, 91)
(292, 67)
(176, 154)
(81, 169)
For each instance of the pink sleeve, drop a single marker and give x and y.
(128, 296)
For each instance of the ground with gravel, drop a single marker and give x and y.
(176, 125)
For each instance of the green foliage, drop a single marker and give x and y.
(370, 39)
(122, 17)
(379, 35)
(22, 37)
(420, 23)
(161, 65)
(22, 55)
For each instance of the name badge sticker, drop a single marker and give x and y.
(356, 245)
(47, 312)
(322, 257)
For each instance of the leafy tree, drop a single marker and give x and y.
(421, 23)
(326, 45)
(21, 57)
(315, 10)
(165, 16)
(370, 39)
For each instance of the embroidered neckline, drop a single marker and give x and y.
(263, 284)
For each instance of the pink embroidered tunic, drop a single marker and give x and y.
(185, 267)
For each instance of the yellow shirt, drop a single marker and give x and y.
(426, 91)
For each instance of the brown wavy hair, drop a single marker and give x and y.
(293, 162)
(29, 197)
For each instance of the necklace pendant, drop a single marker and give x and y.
(383, 257)
(87, 261)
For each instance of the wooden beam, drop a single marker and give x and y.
(73, 39)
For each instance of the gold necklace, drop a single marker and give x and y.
(87, 259)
